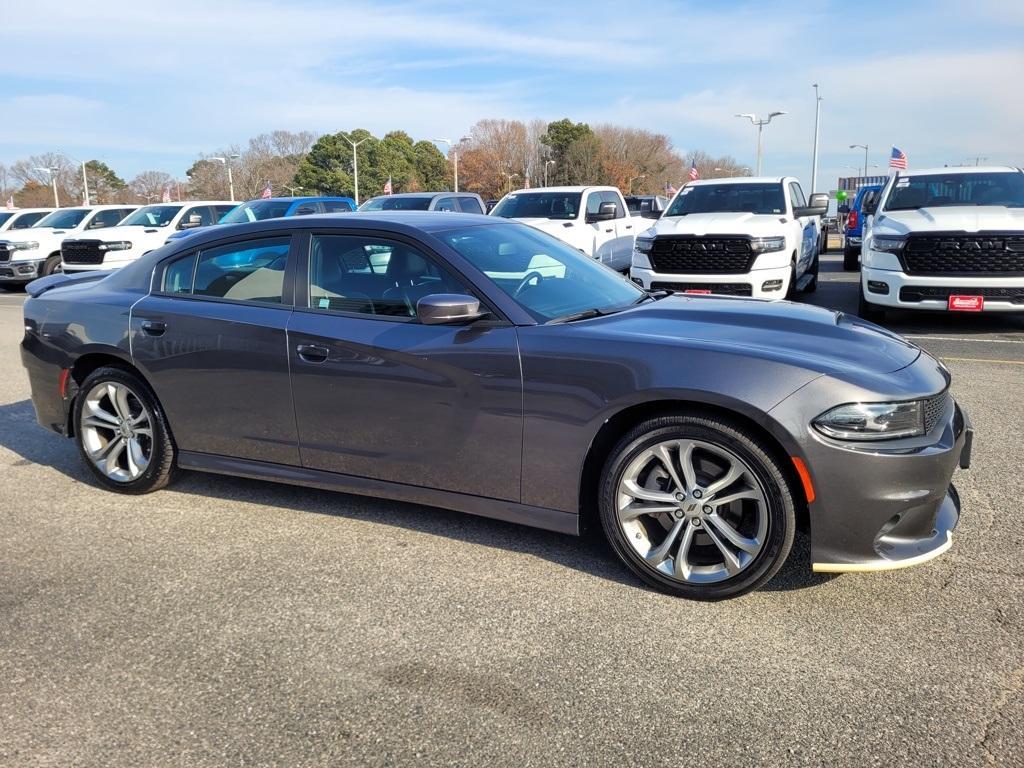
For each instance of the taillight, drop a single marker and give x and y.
(851, 220)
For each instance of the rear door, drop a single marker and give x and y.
(808, 230)
(622, 249)
(602, 232)
(211, 339)
(378, 394)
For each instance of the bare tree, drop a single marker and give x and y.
(150, 186)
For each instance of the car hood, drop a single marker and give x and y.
(38, 235)
(548, 225)
(959, 218)
(719, 224)
(127, 232)
(809, 337)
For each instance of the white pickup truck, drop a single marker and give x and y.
(26, 254)
(140, 233)
(739, 236)
(945, 239)
(594, 220)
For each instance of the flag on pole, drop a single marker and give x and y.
(267, 192)
(167, 194)
(694, 173)
(10, 202)
(898, 159)
(526, 184)
(388, 189)
(669, 189)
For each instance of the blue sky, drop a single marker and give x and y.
(151, 85)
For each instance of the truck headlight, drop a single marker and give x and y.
(116, 245)
(642, 252)
(887, 243)
(767, 244)
(28, 246)
(872, 421)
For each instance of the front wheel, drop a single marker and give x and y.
(697, 506)
(51, 265)
(122, 433)
(869, 311)
(851, 259)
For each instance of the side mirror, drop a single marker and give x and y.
(194, 220)
(443, 308)
(605, 212)
(816, 206)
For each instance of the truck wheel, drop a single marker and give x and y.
(51, 265)
(869, 311)
(791, 288)
(851, 259)
(815, 268)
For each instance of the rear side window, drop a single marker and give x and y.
(222, 210)
(105, 219)
(248, 271)
(337, 206)
(445, 204)
(797, 195)
(306, 209)
(470, 205)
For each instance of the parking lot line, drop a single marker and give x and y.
(960, 338)
(982, 360)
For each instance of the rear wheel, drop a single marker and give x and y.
(697, 506)
(122, 433)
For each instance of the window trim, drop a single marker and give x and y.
(302, 276)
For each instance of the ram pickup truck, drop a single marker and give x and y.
(594, 220)
(21, 218)
(26, 254)
(948, 239)
(744, 236)
(145, 230)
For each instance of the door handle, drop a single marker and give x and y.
(609, 230)
(153, 327)
(629, 226)
(312, 353)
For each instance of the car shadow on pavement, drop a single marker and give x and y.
(589, 553)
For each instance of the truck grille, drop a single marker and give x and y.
(5, 252)
(942, 293)
(82, 252)
(963, 254)
(725, 289)
(689, 254)
(934, 407)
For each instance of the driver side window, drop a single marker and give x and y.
(373, 276)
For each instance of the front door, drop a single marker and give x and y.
(211, 340)
(379, 395)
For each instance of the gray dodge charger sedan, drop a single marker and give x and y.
(480, 365)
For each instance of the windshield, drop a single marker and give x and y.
(940, 190)
(388, 203)
(66, 217)
(152, 216)
(256, 210)
(543, 275)
(729, 198)
(539, 205)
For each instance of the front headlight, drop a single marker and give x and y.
(887, 243)
(767, 244)
(116, 245)
(29, 246)
(642, 252)
(872, 421)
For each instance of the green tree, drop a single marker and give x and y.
(104, 185)
(571, 147)
(431, 166)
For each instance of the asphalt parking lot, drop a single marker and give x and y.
(230, 622)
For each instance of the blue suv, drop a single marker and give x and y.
(279, 207)
(855, 226)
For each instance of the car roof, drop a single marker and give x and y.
(420, 194)
(582, 188)
(959, 169)
(26, 210)
(740, 180)
(296, 199)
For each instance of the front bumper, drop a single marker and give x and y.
(18, 272)
(747, 284)
(930, 292)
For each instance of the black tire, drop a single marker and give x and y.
(791, 288)
(161, 467)
(851, 259)
(868, 311)
(812, 286)
(741, 442)
(51, 265)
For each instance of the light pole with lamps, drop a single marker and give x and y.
(865, 148)
(510, 176)
(355, 163)
(760, 123)
(291, 190)
(546, 164)
(53, 182)
(629, 184)
(453, 153)
(231, 179)
(817, 126)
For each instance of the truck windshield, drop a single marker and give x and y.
(764, 198)
(539, 205)
(256, 210)
(152, 216)
(64, 218)
(387, 203)
(942, 190)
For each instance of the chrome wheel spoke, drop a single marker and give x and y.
(632, 488)
(137, 461)
(734, 473)
(729, 560)
(748, 493)
(144, 431)
(98, 421)
(734, 537)
(658, 555)
(681, 565)
(108, 460)
(686, 463)
(633, 511)
(665, 457)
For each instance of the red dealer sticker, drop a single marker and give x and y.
(697, 290)
(966, 303)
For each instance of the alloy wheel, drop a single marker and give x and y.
(116, 431)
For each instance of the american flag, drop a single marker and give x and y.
(898, 159)
(267, 192)
(10, 201)
(166, 197)
(388, 189)
(669, 189)
(694, 173)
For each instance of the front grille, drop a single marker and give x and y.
(82, 252)
(5, 252)
(934, 407)
(725, 289)
(942, 293)
(690, 254)
(963, 254)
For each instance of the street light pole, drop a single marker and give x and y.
(546, 164)
(85, 185)
(760, 123)
(817, 126)
(53, 182)
(355, 163)
(865, 148)
(231, 179)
